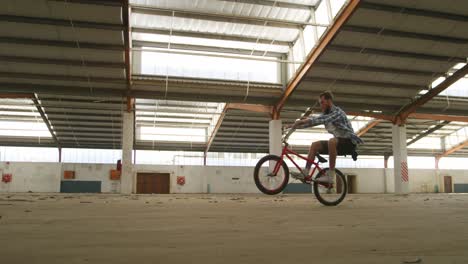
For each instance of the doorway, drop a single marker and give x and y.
(447, 184)
(153, 183)
(352, 185)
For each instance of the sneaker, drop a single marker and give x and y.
(327, 178)
(300, 175)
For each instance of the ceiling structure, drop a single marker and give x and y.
(79, 60)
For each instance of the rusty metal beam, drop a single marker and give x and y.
(128, 43)
(403, 114)
(315, 54)
(453, 149)
(218, 125)
(16, 95)
(452, 118)
(130, 104)
(370, 125)
(369, 114)
(251, 107)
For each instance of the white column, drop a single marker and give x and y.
(275, 137)
(400, 159)
(126, 179)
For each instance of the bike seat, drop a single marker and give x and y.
(321, 159)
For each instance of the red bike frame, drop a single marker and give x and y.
(286, 151)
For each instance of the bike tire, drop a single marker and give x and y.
(341, 197)
(257, 175)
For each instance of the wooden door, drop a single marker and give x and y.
(448, 184)
(351, 179)
(339, 184)
(153, 183)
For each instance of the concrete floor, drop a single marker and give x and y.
(224, 229)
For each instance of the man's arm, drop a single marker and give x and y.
(319, 120)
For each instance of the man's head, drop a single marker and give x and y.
(326, 101)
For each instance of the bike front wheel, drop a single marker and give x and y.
(330, 191)
(266, 180)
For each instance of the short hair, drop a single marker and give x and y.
(327, 95)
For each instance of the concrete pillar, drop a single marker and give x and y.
(126, 179)
(386, 157)
(275, 137)
(400, 159)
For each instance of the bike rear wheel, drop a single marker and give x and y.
(330, 193)
(268, 182)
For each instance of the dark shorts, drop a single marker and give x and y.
(344, 147)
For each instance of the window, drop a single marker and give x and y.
(200, 66)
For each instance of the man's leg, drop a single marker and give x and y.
(332, 144)
(315, 148)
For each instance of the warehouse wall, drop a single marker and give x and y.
(46, 177)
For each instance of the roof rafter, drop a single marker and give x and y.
(315, 54)
(453, 149)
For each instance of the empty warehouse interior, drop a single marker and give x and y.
(131, 129)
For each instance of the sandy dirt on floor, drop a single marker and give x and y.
(228, 228)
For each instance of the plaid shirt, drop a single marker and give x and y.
(336, 122)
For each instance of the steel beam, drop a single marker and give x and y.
(209, 35)
(53, 77)
(16, 95)
(452, 118)
(251, 107)
(394, 53)
(378, 69)
(60, 43)
(414, 11)
(65, 62)
(60, 22)
(93, 2)
(305, 7)
(215, 130)
(64, 90)
(404, 34)
(192, 47)
(363, 83)
(315, 54)
(428, 132)
(128, 43)
(46, 120)
(453, 149)
(403, 114)
(370, 125)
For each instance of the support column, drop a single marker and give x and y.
(400, 159)
(126, 179)
(275, 137)
(386, 157)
